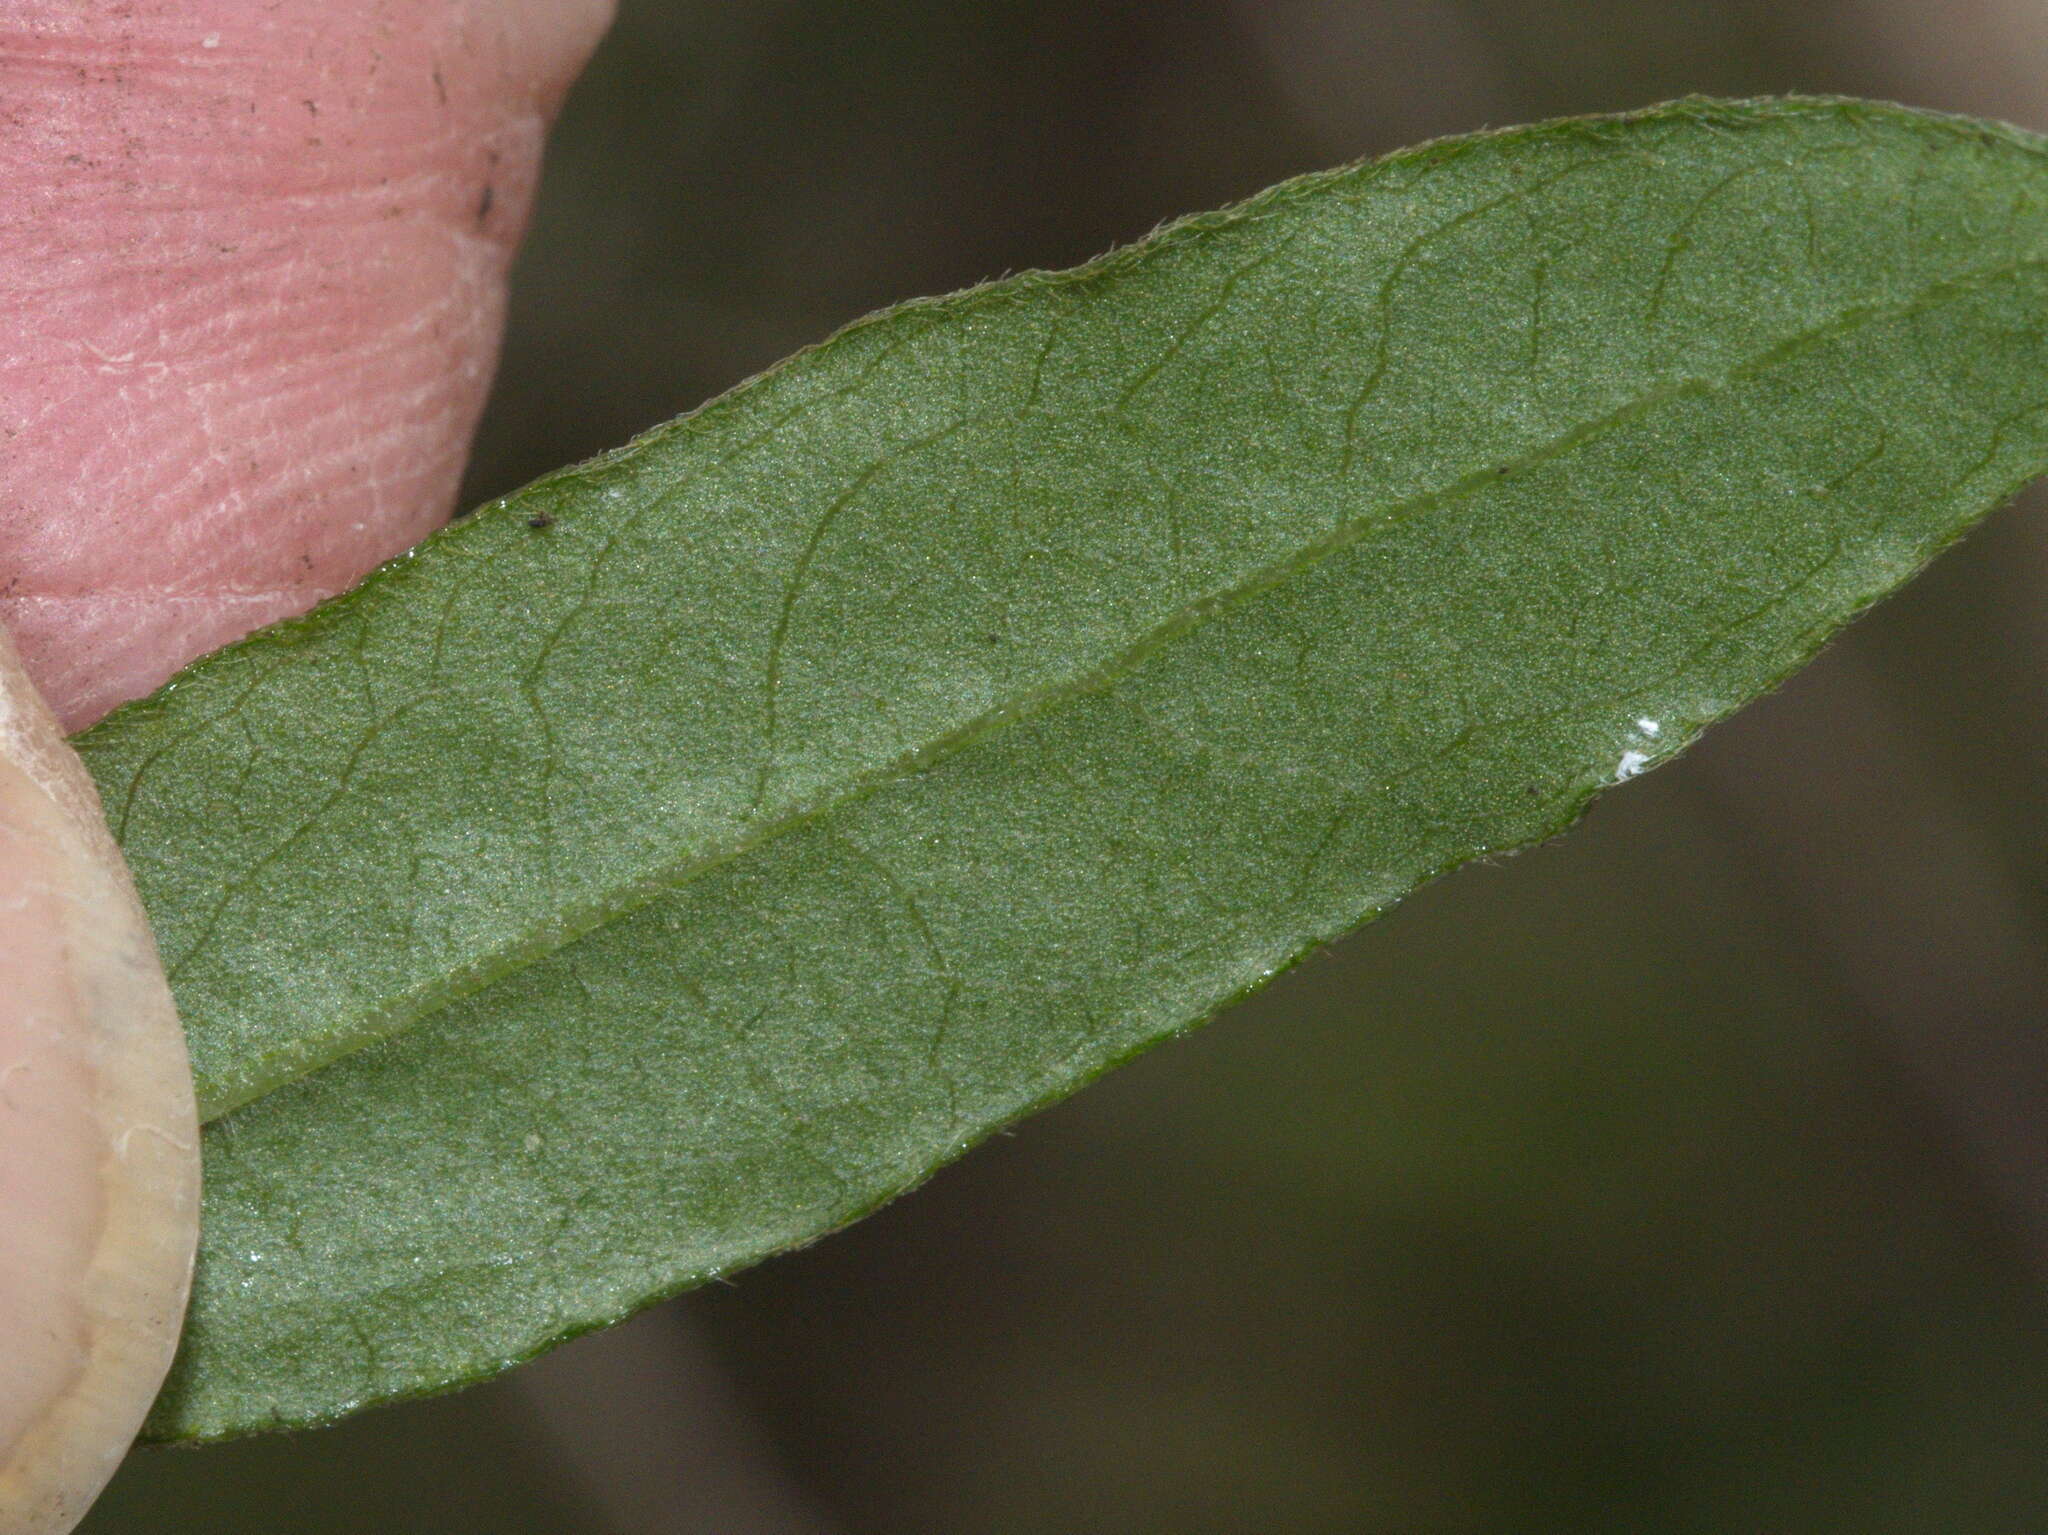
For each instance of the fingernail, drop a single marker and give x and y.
(99, 1139)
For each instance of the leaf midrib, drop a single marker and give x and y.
(563, 930)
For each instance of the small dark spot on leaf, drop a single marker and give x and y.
(483, 203)
(540, 520)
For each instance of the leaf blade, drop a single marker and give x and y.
(1230, 723)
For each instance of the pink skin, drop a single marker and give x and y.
(252, 268)
(252, 260)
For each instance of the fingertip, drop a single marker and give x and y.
(232, 385)
(551, 40)
(99, 1137)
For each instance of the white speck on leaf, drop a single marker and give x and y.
(1631, 764)
(1650, 727)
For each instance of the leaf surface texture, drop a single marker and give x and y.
(673, 861)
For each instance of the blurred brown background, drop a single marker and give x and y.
(1687, 1175)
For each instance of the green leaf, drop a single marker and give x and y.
(672, 862)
